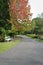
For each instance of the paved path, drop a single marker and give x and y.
(28, 52)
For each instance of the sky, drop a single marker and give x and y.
(36, 7)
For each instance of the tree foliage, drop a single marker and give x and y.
(19, 8)
(5, 25)
(4, 12)
(38, 25)
(19, 12)
(14, 16)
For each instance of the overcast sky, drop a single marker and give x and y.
(36, 7)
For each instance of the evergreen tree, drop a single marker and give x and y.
(4, 11)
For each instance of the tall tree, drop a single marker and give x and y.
(38, 29)
(4, 16)
(4, 12)
(19, 11)
(19, 8)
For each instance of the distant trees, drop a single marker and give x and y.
(38, 26)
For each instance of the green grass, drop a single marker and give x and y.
(7, 45)
(32, 36)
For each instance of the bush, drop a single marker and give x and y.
(1, 38)
(12, 33)
(2, 34)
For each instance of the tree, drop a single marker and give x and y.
(4, 12)
(38, 29)
(19, 12)
(5, 25)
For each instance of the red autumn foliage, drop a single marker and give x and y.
(19, 8)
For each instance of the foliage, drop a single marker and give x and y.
(2, 34)
(4, 12)
(38, 26)
(12, 33)
(4, 17)
(14, 16)
(5, 24)
(19, 9)
(4, 27)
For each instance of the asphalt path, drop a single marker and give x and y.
(28, 52)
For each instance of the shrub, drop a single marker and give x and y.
(1, 38)
(2, 34)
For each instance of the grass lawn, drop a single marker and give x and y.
(7, 45)
(32, 36)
